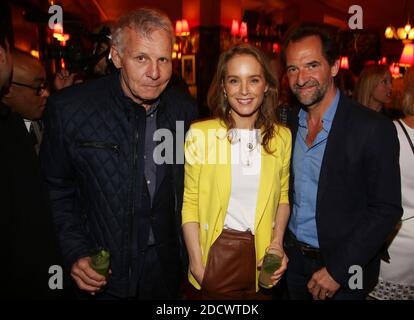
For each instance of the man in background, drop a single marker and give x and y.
(27, 243)
(28, 93)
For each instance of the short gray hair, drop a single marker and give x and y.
(144, 21)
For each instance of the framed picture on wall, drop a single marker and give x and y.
(188, 71)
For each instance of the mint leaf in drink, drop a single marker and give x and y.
(271, 263)
(100, 262)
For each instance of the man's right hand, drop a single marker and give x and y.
(85, 277)
(63, 79)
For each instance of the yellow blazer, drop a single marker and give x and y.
(207, 184)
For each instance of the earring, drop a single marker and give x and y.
(225, 95)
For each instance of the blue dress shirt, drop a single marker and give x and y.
(306, 164)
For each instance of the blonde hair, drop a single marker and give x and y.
(144, 21)
(368, 80)
(220, 107)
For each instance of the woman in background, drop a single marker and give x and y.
(374, 87)
(396, 279)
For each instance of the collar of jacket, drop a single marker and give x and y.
(126, 102)
(222, 132)
(224, 171)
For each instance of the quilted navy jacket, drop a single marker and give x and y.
(92, 155)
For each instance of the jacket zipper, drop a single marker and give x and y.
(101, 145)
(135, 141)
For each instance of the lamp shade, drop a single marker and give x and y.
(178, 27)
(390, 32)
(235, 28)
(383, 60)
(186, 29)
(344, 64)
(402, 34)
(395, 70)
(276, 48)
(243, 30)
(407, 56)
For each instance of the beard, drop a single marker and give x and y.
(316, 96)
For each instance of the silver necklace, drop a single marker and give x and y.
(250, 146)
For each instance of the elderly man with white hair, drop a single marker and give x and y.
(107, 187)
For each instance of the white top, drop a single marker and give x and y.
(407, 172)
(27, 123)
(396, 279)
(245, 176)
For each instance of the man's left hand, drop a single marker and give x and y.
(322, 285)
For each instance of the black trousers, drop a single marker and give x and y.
(151, 284)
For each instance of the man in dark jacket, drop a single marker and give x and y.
(345, 178)
(103, 152)
(28, 92)
(27, 243)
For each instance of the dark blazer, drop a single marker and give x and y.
(27, 243)
(359, 192)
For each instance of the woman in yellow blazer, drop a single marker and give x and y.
(236, 179)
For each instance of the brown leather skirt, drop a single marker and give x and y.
(231, 268)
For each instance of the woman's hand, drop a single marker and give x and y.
(198, 273)
(277, 275)
(191, 232)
